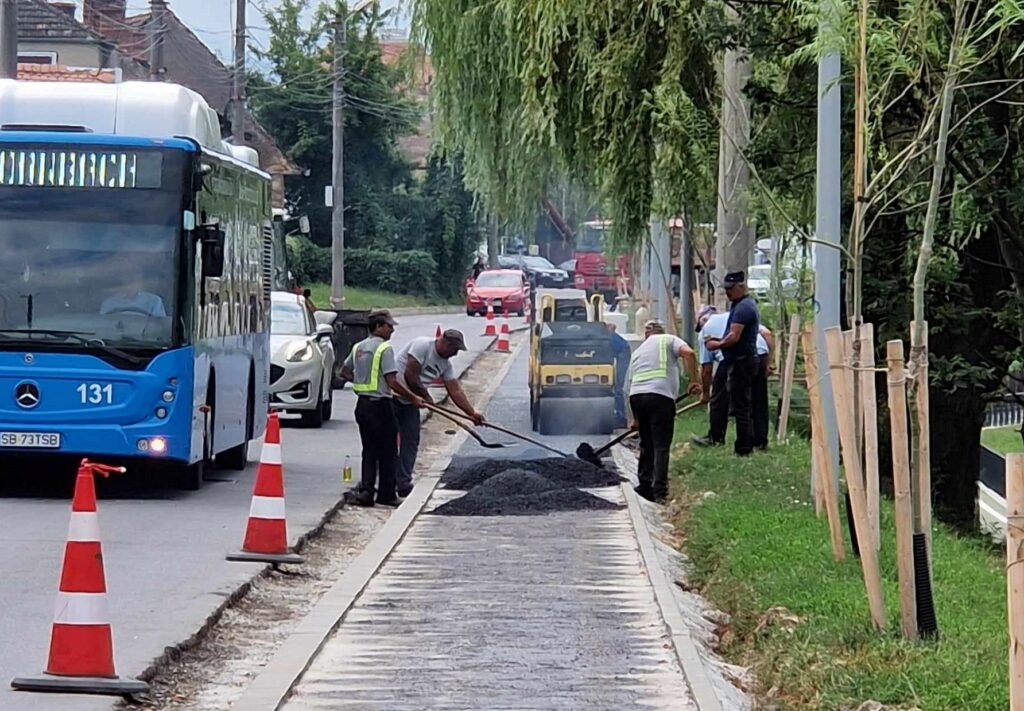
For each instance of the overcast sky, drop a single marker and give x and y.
(213, 20)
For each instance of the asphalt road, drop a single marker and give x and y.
(163, 549)
(532, 612)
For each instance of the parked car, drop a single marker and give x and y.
(506, 289)
(538, 270)
(301, 360)
(759, 280)
(569, 267)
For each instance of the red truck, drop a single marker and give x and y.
(593, 270)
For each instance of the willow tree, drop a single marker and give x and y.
(611, 94)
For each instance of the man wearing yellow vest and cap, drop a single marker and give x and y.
(654, 387)
(372, 370)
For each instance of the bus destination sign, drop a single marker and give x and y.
(72, 168)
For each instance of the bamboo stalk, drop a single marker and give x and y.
(924, 447)
(901, 486)
(841, 382)
(825, 477)
(787, 376)
(1015, 575)
(870, 412)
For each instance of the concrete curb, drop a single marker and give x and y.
(272, 686)
(690, 661)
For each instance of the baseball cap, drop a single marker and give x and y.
(455, 337)
(705, 310)
(385, 315)
(734, 278)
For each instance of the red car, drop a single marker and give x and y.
(506, 289)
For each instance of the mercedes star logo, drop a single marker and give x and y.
(26, 394)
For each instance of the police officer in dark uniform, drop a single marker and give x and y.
(739, 355)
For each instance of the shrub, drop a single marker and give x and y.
(408, 272)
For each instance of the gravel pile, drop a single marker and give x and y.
(567, 472)
(518, 488)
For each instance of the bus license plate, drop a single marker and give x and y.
(30, 440)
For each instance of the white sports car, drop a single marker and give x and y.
(301, 360)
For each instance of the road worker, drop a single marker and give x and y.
(714, 377)
(622, 353)
(423, 361)
(739, 355)
(372, 369)
(654, 387)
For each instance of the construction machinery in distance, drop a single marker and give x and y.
(572, 369)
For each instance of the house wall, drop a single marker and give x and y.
(70, 54)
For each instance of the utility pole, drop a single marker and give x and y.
(8, 39)
(734, 243)
(238, 77)
(492, 243)
(156, 39)
(827, 220)
(686, 310)
(338, 159)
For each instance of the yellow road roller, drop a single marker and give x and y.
(572, 369)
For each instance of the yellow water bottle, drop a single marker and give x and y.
(346, 473)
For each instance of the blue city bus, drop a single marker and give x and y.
(135, 279)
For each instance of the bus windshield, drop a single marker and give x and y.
(100, 264)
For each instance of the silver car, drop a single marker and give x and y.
(301, 360)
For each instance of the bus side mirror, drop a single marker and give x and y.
(211, 242)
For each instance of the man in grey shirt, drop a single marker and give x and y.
(421, 362)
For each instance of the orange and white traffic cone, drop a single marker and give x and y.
(81, 641)
(266, 535)
(437, 334)
(489, 330)
(437, 331)
(502, 346)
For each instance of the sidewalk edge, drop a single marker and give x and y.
(690, 661)
(274, 683)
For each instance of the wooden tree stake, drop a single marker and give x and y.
(787, 377)
(870, 410)
(901, 485)
(826, 480)
(841, 382)
(1015, 575)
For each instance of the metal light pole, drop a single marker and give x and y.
(827, 223)
(238, 78)
(338, 151)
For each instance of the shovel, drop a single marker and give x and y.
(589, 454)
(468, 429)
(451, 414)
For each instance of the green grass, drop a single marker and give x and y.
(357, 298)
(757, 544)
(1004, 440)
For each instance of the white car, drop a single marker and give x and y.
(759, 280)
(301, 360)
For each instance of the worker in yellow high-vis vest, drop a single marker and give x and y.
(371, 368)
(653, 389)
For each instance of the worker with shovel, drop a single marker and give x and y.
(654, 387)
(372, 369)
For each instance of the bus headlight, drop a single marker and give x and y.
(158, 445)
(168, 396)
(161, 412)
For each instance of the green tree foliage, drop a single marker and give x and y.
(609, 93)
(387, 209)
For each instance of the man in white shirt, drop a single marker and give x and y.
(653, 389)
(421, 362)
(712, 324)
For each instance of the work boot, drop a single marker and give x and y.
(644, 492)
(389, 503)
(361, 497)
(705, 441)
(404, 492)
